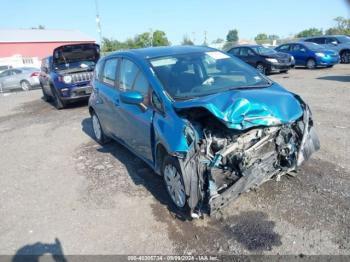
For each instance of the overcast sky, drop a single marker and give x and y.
(122, 19)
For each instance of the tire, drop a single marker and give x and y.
(174, 183)
(284, 71)
(261, 68)
(25, 85)
(100, 136)
(345, 57)
(46, 97)
(311, 63)
(57, 101)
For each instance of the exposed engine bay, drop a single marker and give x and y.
(224, 163)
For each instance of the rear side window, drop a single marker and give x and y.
(98, 70)
(320, 40)
(128, 72)
(109, 71)
(284, 48)
(234, 51)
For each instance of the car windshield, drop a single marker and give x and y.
(314, 46)
(343, 39)
(199, 74)
(261, 50)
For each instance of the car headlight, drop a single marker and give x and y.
(272, 60)
(67, 79)
(320, 54)
(292, 58)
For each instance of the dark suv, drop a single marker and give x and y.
(65, 76)
(338, 43)
(264, 59)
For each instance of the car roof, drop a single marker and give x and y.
(246, 45)
(152, 52)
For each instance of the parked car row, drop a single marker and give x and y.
(313, 52)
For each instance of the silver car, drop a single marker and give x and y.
(24, 78)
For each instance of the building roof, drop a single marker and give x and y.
(42, 35)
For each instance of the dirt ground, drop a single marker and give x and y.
(61, 192)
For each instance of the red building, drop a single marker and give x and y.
(37, 42)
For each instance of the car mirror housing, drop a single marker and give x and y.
(132, 97)
(334, 43)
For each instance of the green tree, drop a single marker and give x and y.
(186, 41)
(160, 39)
(143, 40)
(261, 38)
(232, 36)
(309, 32)
(342, 27)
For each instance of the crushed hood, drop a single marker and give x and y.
(242, 109)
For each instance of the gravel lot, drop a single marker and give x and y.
(57, 183)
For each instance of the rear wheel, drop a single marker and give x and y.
(46, 97)
(311, 63)
(100, 136)
(25, 85)
(174, 182)
(345, 57)
(284, 71)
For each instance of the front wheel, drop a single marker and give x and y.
(311, 63)
(25, 85)
(261, 68)
(57, 101)
(174, 182)
(345, 57)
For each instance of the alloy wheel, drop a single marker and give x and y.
(345, 57)
(97, 127)
(310, 64)
(174, 185)
(25, 85)
(261, 68)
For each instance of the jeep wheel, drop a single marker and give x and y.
(57, 101)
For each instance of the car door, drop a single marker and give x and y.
(332, 43)
(300, 53)
(108, 95)
(3, 80)
(247, 55)
(11, 80)
(135, 121)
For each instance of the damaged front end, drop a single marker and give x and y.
(223, 163)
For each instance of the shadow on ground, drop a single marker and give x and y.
(139, 172)
(336, 78)
(33, 252)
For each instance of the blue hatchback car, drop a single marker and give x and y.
(210, 124)
(310, 55)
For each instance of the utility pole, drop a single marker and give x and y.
(194, 37)
(205, 38)
(98, 21)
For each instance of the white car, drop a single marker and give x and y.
(24, 78)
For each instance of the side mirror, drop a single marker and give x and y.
(132, 98)
(334, 43)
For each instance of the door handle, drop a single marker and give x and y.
(116, 101)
